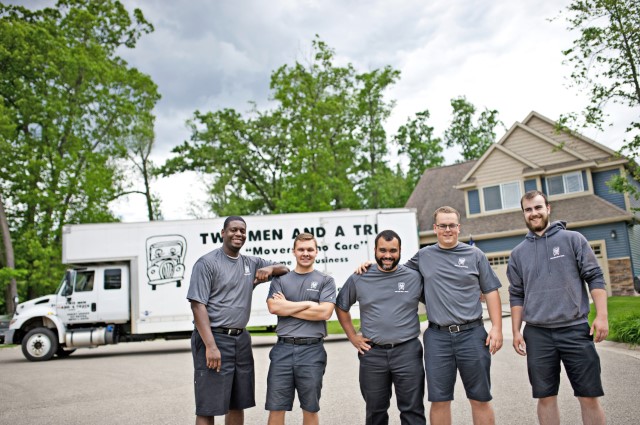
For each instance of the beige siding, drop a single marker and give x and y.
(571, 142)
(499, 168)
(534, 149)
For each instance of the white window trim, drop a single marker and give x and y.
(483, 209)
(564, 183)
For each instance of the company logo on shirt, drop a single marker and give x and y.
(247, 271)
(461, 262)
(401, 286)
(314, 286)
(556, 253)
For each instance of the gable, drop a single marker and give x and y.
(498, 167)
(532, 147)
(577, 144)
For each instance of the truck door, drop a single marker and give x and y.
(78, 304)
(113, 294)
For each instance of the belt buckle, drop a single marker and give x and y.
(229, 331)
(454, 328)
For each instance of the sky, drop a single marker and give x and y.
(211, 54)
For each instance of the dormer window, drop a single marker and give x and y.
(565, 183)
(502, 197)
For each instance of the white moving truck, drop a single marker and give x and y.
(129, 281)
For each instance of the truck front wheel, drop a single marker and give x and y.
(39, 344)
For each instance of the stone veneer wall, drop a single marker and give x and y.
(621, 277)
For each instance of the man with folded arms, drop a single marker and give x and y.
(303, 300)
(220, 293)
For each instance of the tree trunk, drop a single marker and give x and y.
(12, 293)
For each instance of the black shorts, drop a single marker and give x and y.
(295, 367)
(547, 347)
(446, 354)
(233, 388)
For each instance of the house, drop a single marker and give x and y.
(572, 170)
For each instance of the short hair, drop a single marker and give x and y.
(446, 210)
(233, 218)
(532, 194)
(388, 235)
(305, 237)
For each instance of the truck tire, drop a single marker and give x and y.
(62, 353)
(39, 344)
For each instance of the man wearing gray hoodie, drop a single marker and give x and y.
(547, 274)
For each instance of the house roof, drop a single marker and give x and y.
(570, 143)
(435, 189)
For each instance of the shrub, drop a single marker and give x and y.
(626, 329)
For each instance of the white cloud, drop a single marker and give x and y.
(502, 54)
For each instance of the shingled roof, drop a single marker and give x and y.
(436, 188)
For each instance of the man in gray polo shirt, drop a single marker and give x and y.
(220, 291)
(303, 300)
(455, 274)
(388, 346)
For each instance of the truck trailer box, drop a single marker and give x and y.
(161, 254)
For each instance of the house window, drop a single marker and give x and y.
(565, 183)
(502, 197)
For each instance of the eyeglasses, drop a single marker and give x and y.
(447, 226)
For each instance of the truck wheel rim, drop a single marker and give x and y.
(38, 345)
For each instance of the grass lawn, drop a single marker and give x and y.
(624, 319)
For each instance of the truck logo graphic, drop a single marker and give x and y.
(165, 259)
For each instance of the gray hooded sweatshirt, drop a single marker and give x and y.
(547, 276)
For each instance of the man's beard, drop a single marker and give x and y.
(544, 222)
(383, 267)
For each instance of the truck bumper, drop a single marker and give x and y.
(7, 338)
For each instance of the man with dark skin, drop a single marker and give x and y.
(389, 348)
(220, 294)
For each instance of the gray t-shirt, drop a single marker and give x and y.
(388, 303)
(453, 280)
(225, 286)
(314, 286)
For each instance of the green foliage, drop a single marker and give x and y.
(606, 63)
(473, 138)
(139, 146)
(417, 141)
(624, 319)
(322, 147)
(68, 104)
(627, 329)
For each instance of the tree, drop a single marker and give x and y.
(316, 103)
(473, 139)
(321, 147)
(243, 157)
(606, 61)
(71, 102)
(139, 146)
(372, 166)
(417, 141)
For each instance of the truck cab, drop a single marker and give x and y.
(83, 312)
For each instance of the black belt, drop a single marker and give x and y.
(227, 331)
(299, 341)
(386, 346)
(457, 328)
